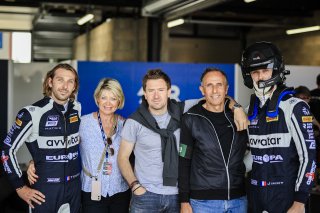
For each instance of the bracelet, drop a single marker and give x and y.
(136, 188)
(133, 183)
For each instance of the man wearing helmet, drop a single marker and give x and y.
(281, 137)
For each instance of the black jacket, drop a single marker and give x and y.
(203, 173)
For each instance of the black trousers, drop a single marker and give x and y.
(118, 203)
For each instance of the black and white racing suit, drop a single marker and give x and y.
(52, 138)
(283, 150)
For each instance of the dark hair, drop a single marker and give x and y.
(318, 80)
(47, 90)
(213, 69)
(155, 74)
(302, 90)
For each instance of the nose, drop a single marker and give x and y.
(156, 94)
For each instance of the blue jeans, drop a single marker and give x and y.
(238, 205)
(153, 203)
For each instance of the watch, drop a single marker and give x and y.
(236, 106)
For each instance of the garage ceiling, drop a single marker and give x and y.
(53, 23)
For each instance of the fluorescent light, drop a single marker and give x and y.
(303, 30)
(85, 19)
(155, 6)
(249, 1)
(175, 22)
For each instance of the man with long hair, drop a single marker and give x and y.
(50, 129)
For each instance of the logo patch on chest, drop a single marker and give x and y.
(52, 120)
(73, 119)
(272, 119)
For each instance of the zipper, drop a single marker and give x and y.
(225, 164)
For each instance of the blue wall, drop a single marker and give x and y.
(185, 79)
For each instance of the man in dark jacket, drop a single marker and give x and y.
(211, 168)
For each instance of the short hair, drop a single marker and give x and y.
(213, 69)
(318, 80)
(111, 85)
(47, 90)
(155, 74)
(302, 90)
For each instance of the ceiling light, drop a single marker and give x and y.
(85, 19)
(155, 6)
(175, 23)
(249, 1)
(303, 30)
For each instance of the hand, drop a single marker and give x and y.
(140, 191)
(31, 195)
(185, 208)
(240, 119)
(31, 172)
(296, 207)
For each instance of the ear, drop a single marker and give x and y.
(201, 89)
(49, 82)
(169, 93)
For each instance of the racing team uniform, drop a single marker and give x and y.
(52, 137)
(283, 149)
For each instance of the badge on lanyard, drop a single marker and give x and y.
(107, 168)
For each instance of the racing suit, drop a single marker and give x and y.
(283, 151)
(52, 137)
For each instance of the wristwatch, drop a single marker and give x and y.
(236, 105)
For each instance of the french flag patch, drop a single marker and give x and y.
(263, 183)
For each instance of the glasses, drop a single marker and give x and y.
(110, 146)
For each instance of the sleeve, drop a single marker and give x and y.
(130, 130)
(185, 155)
(15, 138)
(303, 136)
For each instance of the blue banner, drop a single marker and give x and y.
(185, 80)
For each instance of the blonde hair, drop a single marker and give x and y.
(111, 85)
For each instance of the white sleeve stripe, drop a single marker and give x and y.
(301, 149)
(16, 145)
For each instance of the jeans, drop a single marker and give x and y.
(238, 205)
(154, 203)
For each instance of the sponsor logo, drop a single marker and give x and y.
(271, 119)
(267, 159)
(310, 175)
(7, 141)
(18, 122)
(292, 101)
(265, 142)
(53, 180)
(20, 115)
(52, 120)
(62, 158)
(4, 160)
(68, 178)
(312, 144)
(254, 122)
(73, 119)
(53, 143)
(265, 183)
(306, 119)
(307, 125)
(305, 111)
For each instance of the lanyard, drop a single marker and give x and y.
(102, 133)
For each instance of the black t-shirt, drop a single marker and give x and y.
(224, 130)
(315, 92)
